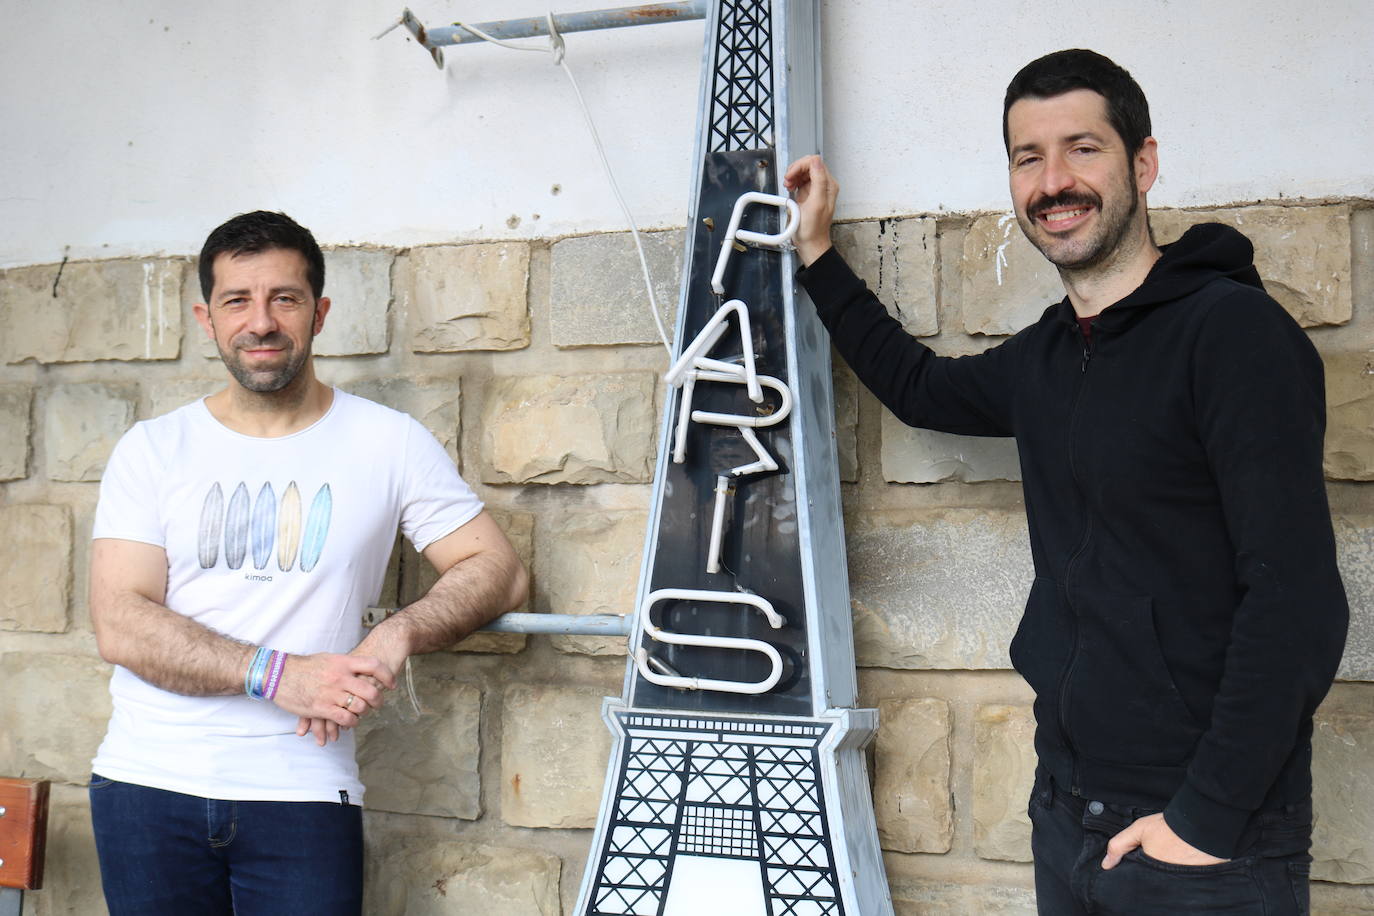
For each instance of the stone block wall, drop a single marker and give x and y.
(536, 366)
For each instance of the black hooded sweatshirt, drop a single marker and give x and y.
(1187, 615)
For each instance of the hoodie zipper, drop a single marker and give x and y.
(1074, 788)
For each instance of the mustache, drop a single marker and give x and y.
(1065, 199)
(250, 341)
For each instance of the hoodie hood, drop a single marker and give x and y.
(1206, 252)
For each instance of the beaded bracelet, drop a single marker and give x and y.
(274, 670)
(264, 673)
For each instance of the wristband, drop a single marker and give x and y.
(250, 679)
(264, 673)
(274, 670)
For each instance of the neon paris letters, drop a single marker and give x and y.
(262, 523)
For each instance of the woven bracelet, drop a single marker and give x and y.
(274, 669)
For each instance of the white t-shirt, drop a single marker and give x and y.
(279, 542)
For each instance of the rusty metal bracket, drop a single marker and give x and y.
(417, 29)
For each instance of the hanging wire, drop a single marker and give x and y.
(557, 48)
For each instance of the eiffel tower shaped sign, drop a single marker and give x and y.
(737, 784)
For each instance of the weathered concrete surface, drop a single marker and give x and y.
(1007, 283)
(357, 282)
(164, 397)
(1303, 254)
(441, 876)
(912, 455)
(596, 294)
(54, 733)
(1355, 554)
(1349, 415)
(569, 429)
(1359, 334)
(35, 568)
(912, 798)
(938, 898)
(466, 297)
(15, 401)
(71, 871)
(897, 259)
(941, 588)
(83, 422)
(1342, 899)
(1342, 772)
(1003, 773)
(591, 566)
(127, 310)
(197, 339)
(554, 749)
(426, 763)
(435, 402)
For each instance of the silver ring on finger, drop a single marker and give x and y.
(349, 702)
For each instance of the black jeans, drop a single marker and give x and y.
(1069, 837)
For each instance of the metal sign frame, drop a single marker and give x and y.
(737, 784)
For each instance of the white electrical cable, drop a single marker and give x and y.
(557, 49)
(410, 691)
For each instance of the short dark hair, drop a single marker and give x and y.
(261, 230)
(1064, 71)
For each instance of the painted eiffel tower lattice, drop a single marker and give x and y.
(746, 790)
(737, 784)
(742, 80)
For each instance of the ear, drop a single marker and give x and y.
(202, 312)
(321, 309)
(1146, 164)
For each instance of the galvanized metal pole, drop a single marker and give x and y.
(433, 40)
(554, 624)
(562, 624)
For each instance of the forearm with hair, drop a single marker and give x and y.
(170, 650)
(470, 594)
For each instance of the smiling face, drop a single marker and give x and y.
(263, 316)
(1077, 191)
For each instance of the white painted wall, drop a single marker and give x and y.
(135, 127)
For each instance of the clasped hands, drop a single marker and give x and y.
(329, 692)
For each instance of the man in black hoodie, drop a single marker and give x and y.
(1187, 616)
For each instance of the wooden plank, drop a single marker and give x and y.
(23, 832)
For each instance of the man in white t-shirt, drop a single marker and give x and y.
(237, 542)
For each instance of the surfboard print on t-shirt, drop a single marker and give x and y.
(263, 525)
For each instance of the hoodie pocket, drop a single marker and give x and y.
(1040, 649)
(1121, 704)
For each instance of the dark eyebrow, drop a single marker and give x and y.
(1069, 140)
(276, 290)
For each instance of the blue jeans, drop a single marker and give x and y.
(167, 853)
(1268, 876)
